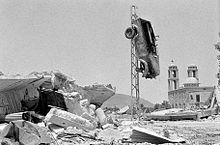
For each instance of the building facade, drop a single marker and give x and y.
(191, 94)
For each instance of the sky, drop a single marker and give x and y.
(85, 40)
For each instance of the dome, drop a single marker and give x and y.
(192, 65)
(191, 80)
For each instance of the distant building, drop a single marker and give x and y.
(191, 94)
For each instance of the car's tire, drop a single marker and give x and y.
(130, 32)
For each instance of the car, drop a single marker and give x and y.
(144, 39)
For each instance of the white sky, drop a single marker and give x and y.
(85, 39)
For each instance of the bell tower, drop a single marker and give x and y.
(192, 71)
(173, 77)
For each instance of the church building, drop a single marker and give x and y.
(190, 94)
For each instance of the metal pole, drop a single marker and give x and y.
(217, 47)
(134, 73)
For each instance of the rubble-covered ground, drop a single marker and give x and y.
(202, 132)
(77, 118)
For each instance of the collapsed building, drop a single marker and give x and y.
(50, 108)
(41, 91)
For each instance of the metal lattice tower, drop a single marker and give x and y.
(134, 65)
(218, 74)
(217, 47)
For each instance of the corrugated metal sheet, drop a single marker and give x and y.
(12, 90)
(12, 83)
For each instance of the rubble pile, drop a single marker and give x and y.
(60, 127)
(65, 113)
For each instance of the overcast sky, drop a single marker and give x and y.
(85, 39)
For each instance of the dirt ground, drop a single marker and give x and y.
(202, 132)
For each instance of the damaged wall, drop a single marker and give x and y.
(11, 100)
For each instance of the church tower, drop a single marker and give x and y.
(193, 72)
(193, 79)
(173, 77)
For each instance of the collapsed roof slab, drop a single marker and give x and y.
(16, 83)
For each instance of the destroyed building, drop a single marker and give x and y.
(191, 94)
(39, 92)
(48, 108)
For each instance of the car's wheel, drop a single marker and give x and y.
(130, 32)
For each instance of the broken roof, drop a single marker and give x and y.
(8, 82)
(19, 81)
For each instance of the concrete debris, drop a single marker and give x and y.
(62, 127)
(99, 93)
(141, 135)
(92, 119)
(59, 79)
(65, 119)
(110, 134)
(55, 128)
(52, 109)
(101, 116)
(73, 105)
(13, 117)
(2, 126)
(123, 110)
(25, 133)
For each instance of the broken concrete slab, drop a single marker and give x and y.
(55, 128)
(7, 141)
(99, 93)
(141, 135)
(66, 119)
(73, 106)
(58, 79)
(27, 138)
(22, 131)
(26, 133)
(77, 136)
(2, 126)
(101, 116)
(92, 119)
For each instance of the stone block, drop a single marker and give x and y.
(65, 119)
